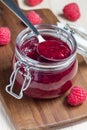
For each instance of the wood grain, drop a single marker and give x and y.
(28, 113)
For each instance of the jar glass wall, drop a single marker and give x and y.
(46, 79)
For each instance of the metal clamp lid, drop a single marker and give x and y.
(26, 81)
(80, 35)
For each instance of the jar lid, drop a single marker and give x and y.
(80, 35)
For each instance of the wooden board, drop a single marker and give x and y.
(28, 113)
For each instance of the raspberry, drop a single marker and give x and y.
(71, 11)
(77, 96)
(5, 35)
(34, 2)
(33, 17)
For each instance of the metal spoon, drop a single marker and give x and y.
(15, 9)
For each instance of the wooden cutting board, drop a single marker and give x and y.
(28, 113)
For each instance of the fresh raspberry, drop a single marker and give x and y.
(33, 17)
(5, 35)
(71, 11)
(77, 96)
(34, 2)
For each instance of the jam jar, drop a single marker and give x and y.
(37, 77)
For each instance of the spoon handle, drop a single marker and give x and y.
(15, 9)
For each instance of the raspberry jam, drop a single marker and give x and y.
(37, 76)
(53, 49)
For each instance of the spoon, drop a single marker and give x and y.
(16, 10)
(49, 55)
(54, 50)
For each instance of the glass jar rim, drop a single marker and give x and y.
(28, 61)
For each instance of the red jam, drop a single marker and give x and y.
(53, 50)
(51, 83)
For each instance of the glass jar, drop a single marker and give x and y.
(37, 77)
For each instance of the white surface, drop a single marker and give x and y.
(5, 123)
(56, 6)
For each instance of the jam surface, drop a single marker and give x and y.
(52, 49)
(47, 84)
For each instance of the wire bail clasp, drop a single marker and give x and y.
(26, 81)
